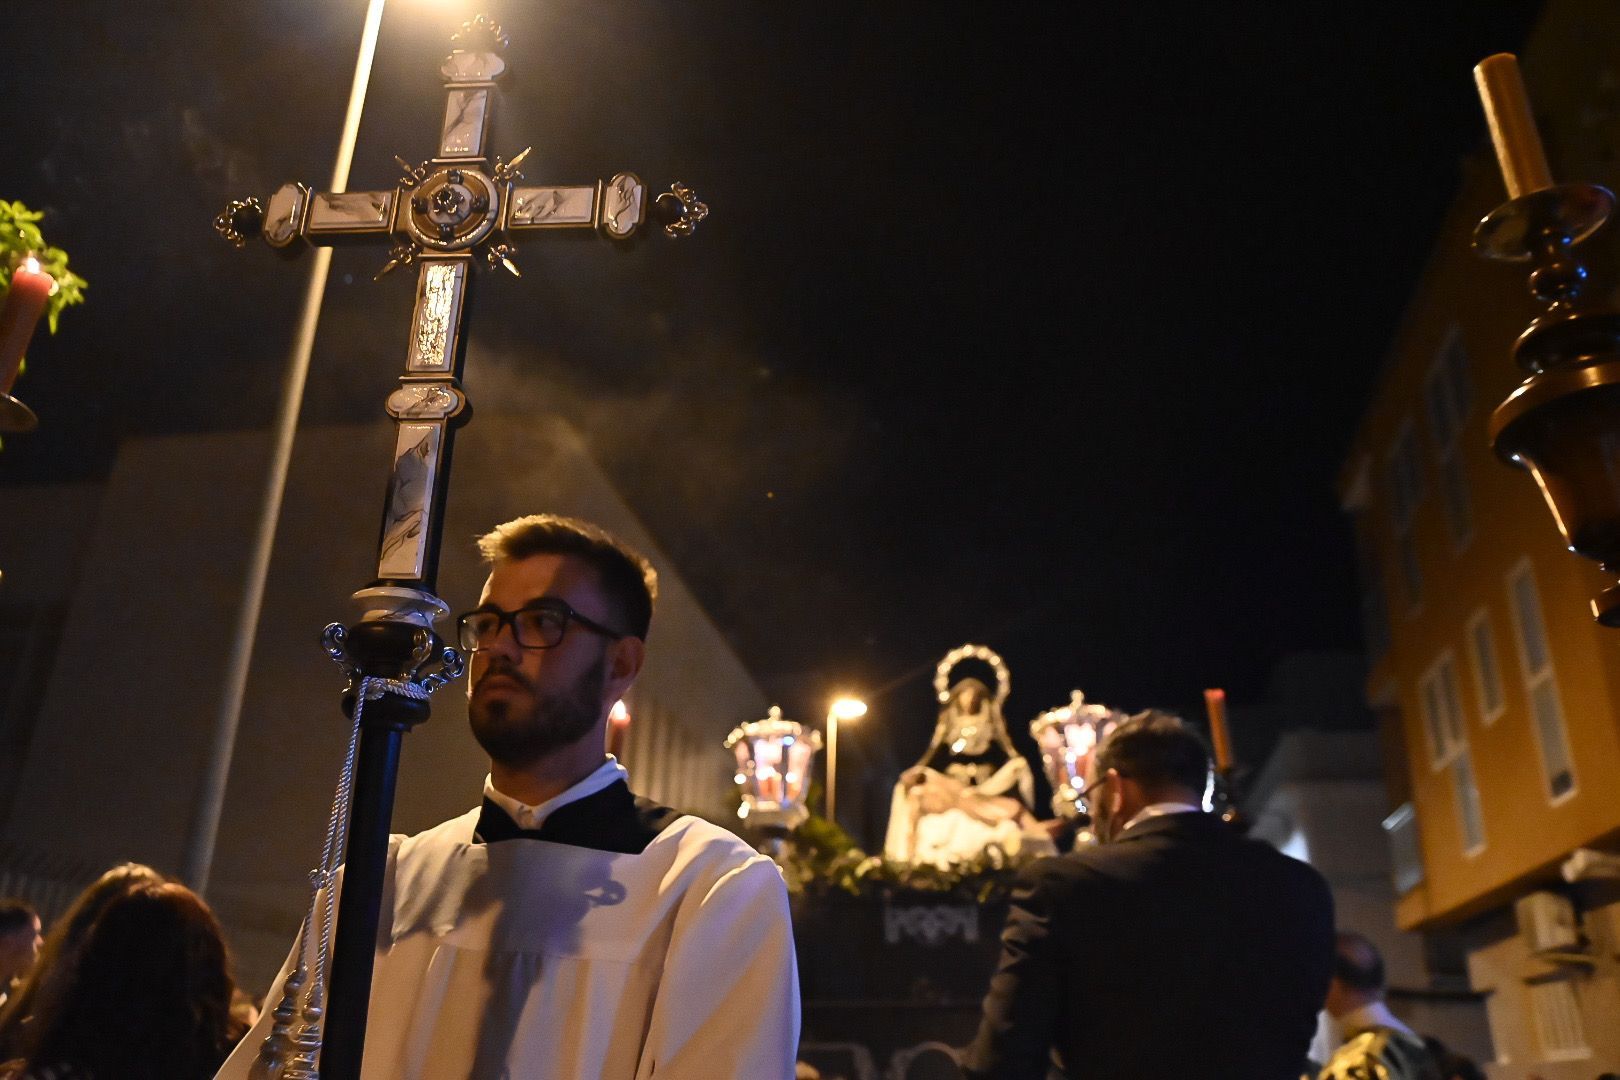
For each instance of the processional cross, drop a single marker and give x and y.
(445, 216)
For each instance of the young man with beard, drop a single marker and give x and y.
(567, 928)
(1175, 948)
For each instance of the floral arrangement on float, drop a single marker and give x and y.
(823, 860)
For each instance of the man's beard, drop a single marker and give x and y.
(517, 737)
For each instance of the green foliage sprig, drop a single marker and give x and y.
(20, 237)
(823, 859)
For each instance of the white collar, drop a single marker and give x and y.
(1160, 809)
(1374, 1014)
(607, 774)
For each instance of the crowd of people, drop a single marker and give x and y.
(133, 982)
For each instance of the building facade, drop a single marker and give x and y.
(1499, 696)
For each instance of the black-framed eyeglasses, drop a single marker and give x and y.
(537, 625)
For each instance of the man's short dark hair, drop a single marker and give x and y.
(1157, 750)
(626, 576)
(16, 915)
(1356, 962)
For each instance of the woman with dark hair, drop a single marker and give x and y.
(149, 999)
(60, 951)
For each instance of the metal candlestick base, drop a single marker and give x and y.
(15, 417)
(1514, 231)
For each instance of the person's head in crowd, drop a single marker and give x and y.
(60, 949)
(19, 940)
(149, 997)
(1152, 757)
(1358, 974)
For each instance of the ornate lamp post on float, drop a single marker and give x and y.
(1068, 735)
(774, 761)
(1563, 422)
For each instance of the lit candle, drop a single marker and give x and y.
(618, 729)
(1513, 129)
(24, 304)
(1215, 702)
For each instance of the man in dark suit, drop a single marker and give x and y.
(1176, 949)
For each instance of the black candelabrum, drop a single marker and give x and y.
(1562, 423)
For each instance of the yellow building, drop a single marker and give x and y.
(1497, 689)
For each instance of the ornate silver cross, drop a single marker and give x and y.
(447, 213)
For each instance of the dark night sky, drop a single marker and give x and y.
(1038, 325)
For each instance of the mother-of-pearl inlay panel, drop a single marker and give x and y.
(622, 204)
(472, 67)
(410, 500)
(285, 214)
(543, 207)
(439, 291)
(425, 401)
(351, 212)
(466, 115)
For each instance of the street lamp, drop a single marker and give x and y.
(845, 708)
(199, 855)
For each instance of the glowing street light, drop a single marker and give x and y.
(204, 830)
(845, 708)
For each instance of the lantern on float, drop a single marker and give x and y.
(774, 761)
(1068, 736)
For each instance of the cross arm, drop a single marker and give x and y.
(434, 208)
(295, 213)
(617, 208)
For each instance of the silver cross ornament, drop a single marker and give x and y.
(446, 215)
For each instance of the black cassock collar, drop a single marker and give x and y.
(609, 820)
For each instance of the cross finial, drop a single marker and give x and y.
(480, 34)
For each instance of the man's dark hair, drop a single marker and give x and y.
(1356, 962)
(626, 576)
(16, 915)
(1157, 750)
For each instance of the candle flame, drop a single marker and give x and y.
(31, 264)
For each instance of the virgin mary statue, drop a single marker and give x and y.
(972, 789)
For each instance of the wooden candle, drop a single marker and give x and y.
(1219, 735)
(1513, 129)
